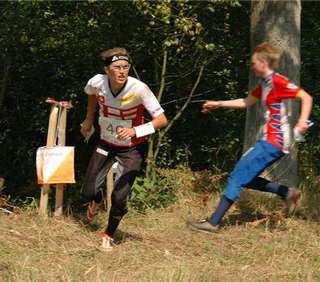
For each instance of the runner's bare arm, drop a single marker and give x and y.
(160, 121)
(306, 106)
(241, 103)
(91, 109)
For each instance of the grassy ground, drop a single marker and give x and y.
(256, 243)
(158, 246)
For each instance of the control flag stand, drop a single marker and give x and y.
(56, 131)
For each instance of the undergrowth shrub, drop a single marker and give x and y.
(152, 194)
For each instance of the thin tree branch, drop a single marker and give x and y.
(163, 74)
(180, 112)
(135, 72)
(185, 98)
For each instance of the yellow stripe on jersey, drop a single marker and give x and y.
(128, 99)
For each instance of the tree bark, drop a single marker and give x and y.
(277, 22)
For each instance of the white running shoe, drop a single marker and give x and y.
(107, 241)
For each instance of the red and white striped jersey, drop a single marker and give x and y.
(273, 91)
(126, 109)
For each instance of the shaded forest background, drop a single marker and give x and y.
(52, 48)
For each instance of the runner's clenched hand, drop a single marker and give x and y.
(210, 105)
(126, 133)
(86, 126)
(302, 126)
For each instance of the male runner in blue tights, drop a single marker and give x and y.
(273, 145)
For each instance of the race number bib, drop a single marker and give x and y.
(109, 130)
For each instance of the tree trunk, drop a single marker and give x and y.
(277, 22)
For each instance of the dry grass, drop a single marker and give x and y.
(255, 244)
(158, 247)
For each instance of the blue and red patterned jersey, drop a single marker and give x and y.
(272, 91)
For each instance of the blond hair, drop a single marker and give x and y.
(268, 52)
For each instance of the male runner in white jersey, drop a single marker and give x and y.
(122, 100)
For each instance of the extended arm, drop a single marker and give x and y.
(241, 103)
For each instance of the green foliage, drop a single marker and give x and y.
(309, 152)
(169, 158)
(51, 49)
(151, 194)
